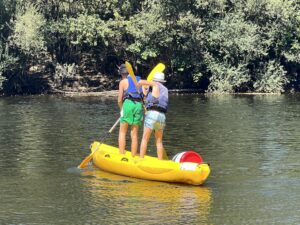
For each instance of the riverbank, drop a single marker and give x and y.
(114, 93)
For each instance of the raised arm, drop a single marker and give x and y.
(147, 83)
(145, 86)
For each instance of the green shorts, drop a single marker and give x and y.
(132, 112)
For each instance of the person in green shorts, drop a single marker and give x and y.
(130, 103)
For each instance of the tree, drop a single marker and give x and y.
(28, 31)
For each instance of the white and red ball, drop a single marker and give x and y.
(188, 156)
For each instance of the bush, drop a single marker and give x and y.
(6, 62)
(227, 78)
(271, 78)
(28, 31)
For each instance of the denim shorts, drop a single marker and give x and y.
(155, 120)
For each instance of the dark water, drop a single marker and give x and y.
(251, 142)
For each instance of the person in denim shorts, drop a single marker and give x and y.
(155, 118)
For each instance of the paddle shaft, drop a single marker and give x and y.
(109, 132)
(86, 161)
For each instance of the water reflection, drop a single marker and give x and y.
(177, 203)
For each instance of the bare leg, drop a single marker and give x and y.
(145, 139)
(159, 144)
(122, 137)
(134, 139)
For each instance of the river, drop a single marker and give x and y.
(252, 143)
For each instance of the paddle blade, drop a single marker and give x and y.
(129, 68)
(160, 67)
(86, 161)
(131, 73)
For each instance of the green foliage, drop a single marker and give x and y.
(92, 31)
(86, 29)
(6, 62)
(6, 12)
(165, 31)
(233, 44)
(147, 32)
(292, 53)
(221, 45)
(28, 35)
(188, 43)
(234, 39)
(271, 78)
(227, 78)
(251, 36)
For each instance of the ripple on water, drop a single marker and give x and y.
(251, 142)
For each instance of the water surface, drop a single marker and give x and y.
(251, 142)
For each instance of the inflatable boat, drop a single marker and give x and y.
(186, 167)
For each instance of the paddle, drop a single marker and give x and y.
(158, 68)
(136, 84)
(86, 161)
(131, 73)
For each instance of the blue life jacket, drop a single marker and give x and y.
(131, 92)
(161, 103)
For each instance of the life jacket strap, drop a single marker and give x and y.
(157, 108)
(133, 99)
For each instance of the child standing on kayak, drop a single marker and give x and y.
(155, 118)
(130, 103)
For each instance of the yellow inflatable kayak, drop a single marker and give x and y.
(107, 158)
